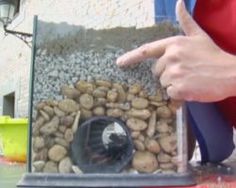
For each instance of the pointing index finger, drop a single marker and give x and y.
(150, 50)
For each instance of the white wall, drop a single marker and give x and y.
(15, 56)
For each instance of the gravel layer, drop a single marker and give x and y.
(90, 55)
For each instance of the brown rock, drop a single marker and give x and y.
(139, 103)
(58, 112)
(121, 92)
(122, 106)
(140, 114)
(38, 165)
(86, 101)
(135, 134)
(152, 146)
(66, 121)
(115, 112)
(38, 143)
(136, 124)
(144, 161)
(135, 89)
(69, 92)
(162, 126)
(164, 112)
(50, 127)
(139, 145)
(56, 153)
(49, 110)
(69, 135)
(84, 87)
(65, 165)
(168, 143)
(85, 114)
(49, 141)
(68, 105)
(40, 105)
(103, 83)
(112, 96)
(44, 115)
(41, 155)
(100, 101)
(37, 125)
(164, 158)
(141, 137)
(62, 142)
(99, 111)
(52, 102)
(130, 97)
(62, 128)
(99, 93)
(167, 166)
(143, 94)
(50, 167)
(58, 134)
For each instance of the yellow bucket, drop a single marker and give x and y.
(13, 138)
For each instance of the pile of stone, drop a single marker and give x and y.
(149, 118)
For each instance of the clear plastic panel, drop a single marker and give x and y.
(89, 116)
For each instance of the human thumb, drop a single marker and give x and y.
(189, 26)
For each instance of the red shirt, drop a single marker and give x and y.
(218, 19)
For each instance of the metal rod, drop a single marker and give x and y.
(182, 139)
(16, 32)
(25, 37)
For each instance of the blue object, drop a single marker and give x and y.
(165, 9)
(212, 131)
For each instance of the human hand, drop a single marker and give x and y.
(190, 67)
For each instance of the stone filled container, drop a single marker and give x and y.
(74, 78)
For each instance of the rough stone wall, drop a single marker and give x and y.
(15, 56)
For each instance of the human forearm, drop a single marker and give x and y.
(191, 67)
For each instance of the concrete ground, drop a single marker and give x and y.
(10, 174)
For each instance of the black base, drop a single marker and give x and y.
(104, 180)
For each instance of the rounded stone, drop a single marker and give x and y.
(50, 167)
(38, 142)
(38, 165)
(68, 105)
(50, 127)
(65, 165)
(139, 103)
(136, 124)
(56, 153)
(68, 135)
(164, 112)
(99, 111)
(144, 161)
(86, 101)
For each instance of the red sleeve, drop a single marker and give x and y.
(218, 19)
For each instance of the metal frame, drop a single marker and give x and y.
(31, 88)
(21, 35)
